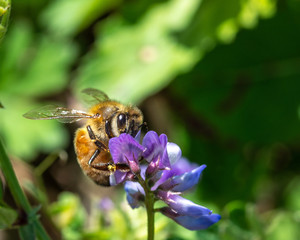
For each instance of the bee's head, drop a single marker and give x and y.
(128, 121)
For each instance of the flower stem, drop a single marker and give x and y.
(34, 226)
(149, 203)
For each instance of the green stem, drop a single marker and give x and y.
(12, 181)
(17, 192)
(149, 203)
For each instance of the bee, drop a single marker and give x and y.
(105, 119)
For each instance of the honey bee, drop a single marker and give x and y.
(105, 119)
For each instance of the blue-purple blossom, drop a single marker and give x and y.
(156, 153)
(125, 149)
(192, 222)
(106, 204)
(135, 194)
(167, 174)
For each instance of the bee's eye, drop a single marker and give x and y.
(121, 121)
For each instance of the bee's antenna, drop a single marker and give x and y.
(144, 125)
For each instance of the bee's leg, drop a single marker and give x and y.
(96, 153)
(111, 167)
(97, 142)
(91, 132)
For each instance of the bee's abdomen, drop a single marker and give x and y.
(85, 148)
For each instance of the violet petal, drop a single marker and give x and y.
(174, 152)
(190, 222)
(183, 182)
(125, 148)
(134, 193)
(181, 205)
(153, 146)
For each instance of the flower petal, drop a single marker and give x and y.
(154, 145)
(106, 204)
(190, 222)
(138, 136)
(183, 165)
(135, 194)
(184, 181)
(163, 139)
(174, 152)
(182, 206)
(125, 148)
(156, 153)
(117, 178)
(180, 167)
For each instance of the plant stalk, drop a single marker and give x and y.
(18, 194)
(149, 203)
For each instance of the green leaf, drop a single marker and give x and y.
(283, 226)
(139, 59)
(4, 17)
(216, 21)
(7, 217)
(67, 211)
(3, 8)
(34, 65)
(64, 17)
(237, 214)
(26, 138)
(237, 96)
(292, 194)
(31, 67)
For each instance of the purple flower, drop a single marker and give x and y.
(125, 150)
(156, 152)
(106, 204)
(192, 222)
(135, 194)
(167, 174)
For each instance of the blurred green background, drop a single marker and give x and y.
(220, 78)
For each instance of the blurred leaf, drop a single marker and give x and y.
(68, 215)
(30, 67)
(133, 11)
(4, 17)
(283, 226)
(230, 231)
(124, 223)
(1, 191)
(239, 97)
(26, 138)
(142, 58)
(292, 194)
(126, 55)
(7, 217)
(65, 17)
(4, 5)
(237, 213)
(215, 21)
(96, 235)
(254, 220)
(33, 66)
(1, 105)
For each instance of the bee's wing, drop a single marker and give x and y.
(62, 114)
(97, 96)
